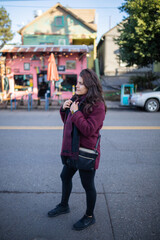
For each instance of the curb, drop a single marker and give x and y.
(110, 105)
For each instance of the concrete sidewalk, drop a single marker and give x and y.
(55, 106)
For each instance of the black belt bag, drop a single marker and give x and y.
(87, 157)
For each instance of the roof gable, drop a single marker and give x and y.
(111, 32)
(81, 17)
(88, 15)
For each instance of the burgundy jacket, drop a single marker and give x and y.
(89, 126)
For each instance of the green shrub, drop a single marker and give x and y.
(112, 96)
(145, 81)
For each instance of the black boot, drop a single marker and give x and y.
(84, 222)
(58, 210)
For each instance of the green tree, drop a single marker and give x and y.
(5, 27)
(139, 40)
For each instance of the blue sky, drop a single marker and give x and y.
(22, 12)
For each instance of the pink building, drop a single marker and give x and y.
(26, 69)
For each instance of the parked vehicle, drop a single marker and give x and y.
(149, 100)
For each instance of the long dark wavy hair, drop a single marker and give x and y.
(95, 93)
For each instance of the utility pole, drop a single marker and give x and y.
(110, 22)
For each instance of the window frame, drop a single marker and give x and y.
(26, 78)
(59, 25)
(26, 66)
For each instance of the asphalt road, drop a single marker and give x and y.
(127, 181)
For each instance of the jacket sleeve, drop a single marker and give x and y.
(89, 125)
(62, 113)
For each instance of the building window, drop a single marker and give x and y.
(46, 43)
(22, 82)
(59, 21)
(70, 64)
(26, 66)
(68, 82)
(127, 90)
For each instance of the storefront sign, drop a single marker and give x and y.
(61, 68)
(70, 64)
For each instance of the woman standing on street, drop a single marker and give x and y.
(83, 117)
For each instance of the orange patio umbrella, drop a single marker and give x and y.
(52, 73)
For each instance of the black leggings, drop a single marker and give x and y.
(87, 180)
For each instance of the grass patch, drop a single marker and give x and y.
(112, 95)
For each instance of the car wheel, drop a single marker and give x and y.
(152, 105)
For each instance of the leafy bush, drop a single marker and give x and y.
(112, 96)
(145, 81)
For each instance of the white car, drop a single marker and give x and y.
(149, 100)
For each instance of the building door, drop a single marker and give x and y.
(43, 84)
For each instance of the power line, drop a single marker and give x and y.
(22, 0)
(67, 7)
